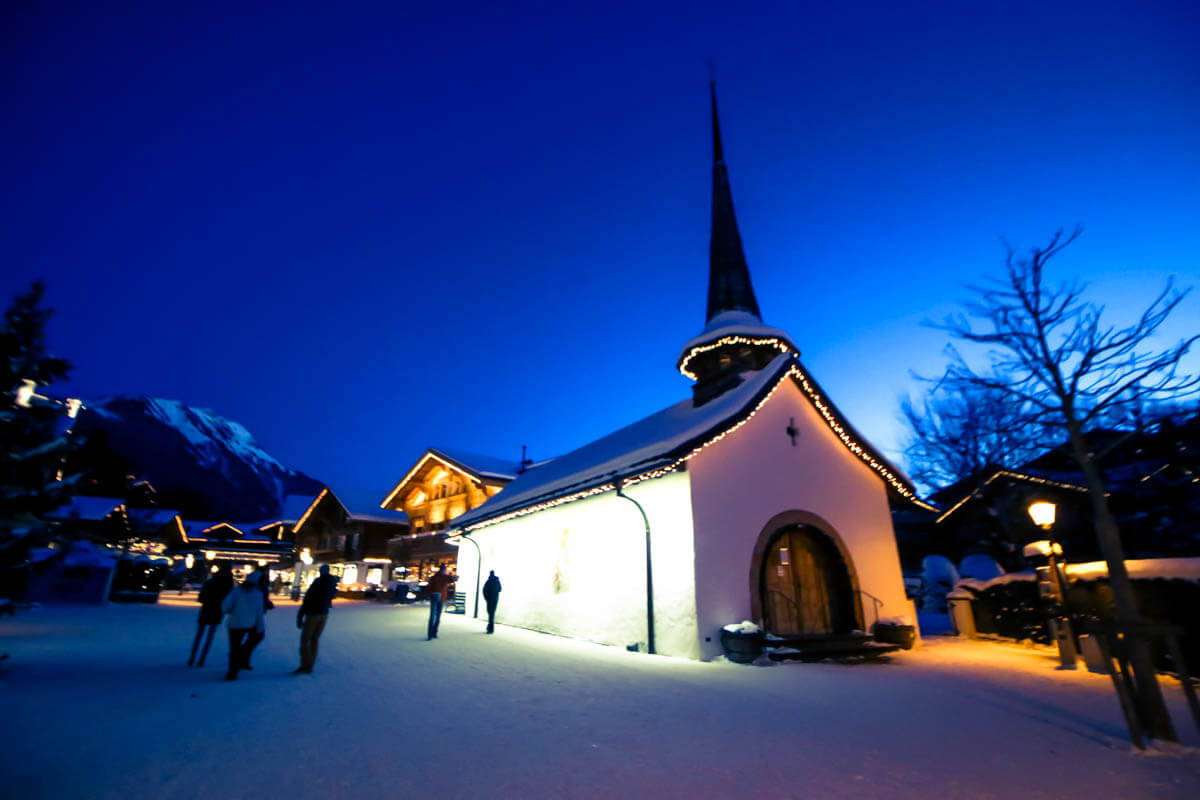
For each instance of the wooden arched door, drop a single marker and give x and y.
(805, 584)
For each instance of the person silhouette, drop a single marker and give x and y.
(212, 594)
(243, 607)
(312, 616)
(439, 593)
(491, 596)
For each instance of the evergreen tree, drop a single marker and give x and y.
(34, 430)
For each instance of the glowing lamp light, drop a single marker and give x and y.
(306, 557)
(1042, 513)
(189, 560)
(73, 406)
(210, 555)
(25, 392)
(262, 562)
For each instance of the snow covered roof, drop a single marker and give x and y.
(731, 327)
(661, 442)
(221, 532)
(88, 508)
(363, 505)
(150, 517)
(481, 465)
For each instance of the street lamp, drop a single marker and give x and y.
(1052, 583)
(1042, 513)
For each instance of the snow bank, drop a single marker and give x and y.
(1183, 569)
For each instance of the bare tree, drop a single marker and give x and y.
(1052, 356)
(957, 432)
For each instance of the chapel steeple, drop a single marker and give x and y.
(734, 339)
(729, 287)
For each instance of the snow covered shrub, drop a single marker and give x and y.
(938, 577)
(1008, 607)
(980, 567)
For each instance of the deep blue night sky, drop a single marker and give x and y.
(364, 228)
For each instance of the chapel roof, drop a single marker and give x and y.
(662, 442)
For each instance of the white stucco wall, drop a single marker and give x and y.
(742, 481)
(579, 569)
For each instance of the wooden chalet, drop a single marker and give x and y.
(348, 530)
(441, 486)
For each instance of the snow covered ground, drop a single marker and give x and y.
(97, 702)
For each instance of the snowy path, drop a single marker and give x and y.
(96, 702)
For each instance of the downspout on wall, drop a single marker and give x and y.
(649, 569)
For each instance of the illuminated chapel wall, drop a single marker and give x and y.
(744, 480)
(579, 569)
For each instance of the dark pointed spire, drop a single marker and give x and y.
(729, 287)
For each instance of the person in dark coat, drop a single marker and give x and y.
(491, 596)
(256, 637)
(212, 594)
(311, 617)
(439, 593)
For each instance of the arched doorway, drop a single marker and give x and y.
(804, 584)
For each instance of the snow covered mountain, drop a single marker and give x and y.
(200, 463)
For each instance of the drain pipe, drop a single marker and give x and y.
(649, 569)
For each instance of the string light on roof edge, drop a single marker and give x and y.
(794, 372)
(1010, 474)
(724, 340)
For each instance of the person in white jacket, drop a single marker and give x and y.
(244, 613)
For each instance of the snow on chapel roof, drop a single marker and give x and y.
(662, 442)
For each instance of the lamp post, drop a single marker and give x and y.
(1053, 587)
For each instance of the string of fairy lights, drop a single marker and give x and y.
(1021, 476)
(771, 341)
(800, 379)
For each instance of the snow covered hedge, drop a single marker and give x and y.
(1167, 590)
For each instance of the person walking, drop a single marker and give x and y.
(491, 596)
(257, 636)
(212, 595)
(439, 592)
(243, 607)
(311, 617)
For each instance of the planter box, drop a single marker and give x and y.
(742, 648)
(890, 633)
